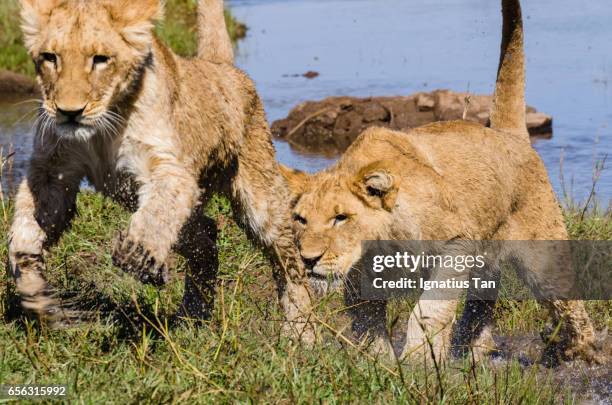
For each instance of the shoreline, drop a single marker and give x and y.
(15, 85)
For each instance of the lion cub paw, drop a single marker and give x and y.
(568, 348)
(589, 353)
(381, 348)
(300, 332)
(133, 258)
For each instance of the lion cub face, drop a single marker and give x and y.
(335, 211)
(87, 54)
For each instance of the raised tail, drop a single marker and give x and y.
(214, 43)
(508, 112)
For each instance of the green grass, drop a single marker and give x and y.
(129, 354)
(594, 225)
(13, 55)
(178, 30)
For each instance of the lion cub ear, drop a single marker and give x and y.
(34, 14)
(297, 180)
(376, 185)
(136, 19)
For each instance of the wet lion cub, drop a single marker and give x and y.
(447, 181)
(156, 132)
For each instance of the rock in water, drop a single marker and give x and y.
(329, 126)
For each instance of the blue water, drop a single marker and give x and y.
(398, 47)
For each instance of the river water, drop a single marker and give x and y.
(398, 47)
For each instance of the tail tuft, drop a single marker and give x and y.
(214, 43)
(508, 113)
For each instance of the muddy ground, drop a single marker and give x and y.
(591, 382)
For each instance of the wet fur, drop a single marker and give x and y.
(170, 132)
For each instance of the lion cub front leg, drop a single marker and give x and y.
(293, 288)
(369, 327)
(429, 330)
(44, 207)
(260, 199)
(368, 319)
(166, 198)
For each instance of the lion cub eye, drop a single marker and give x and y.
(49, 57)
(300, 219)
(99, 60)
(373, 192)
(338, 219)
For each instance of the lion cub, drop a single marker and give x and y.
(156, 132)
(448, 181)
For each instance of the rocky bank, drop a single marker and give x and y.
(16, 85)
(331, 125)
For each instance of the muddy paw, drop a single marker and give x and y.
(53, 312)
(133, 258)
(381, 348)
(568, 348)
(587, 352)
(554, 355)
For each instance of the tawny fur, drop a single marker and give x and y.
(213, 42)
(159, 134)
(448, 181)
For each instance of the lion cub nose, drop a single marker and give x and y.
(310, 261)
(71, 115)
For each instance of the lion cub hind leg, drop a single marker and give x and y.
(197, 243)
(547, 271)
(546, 268)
